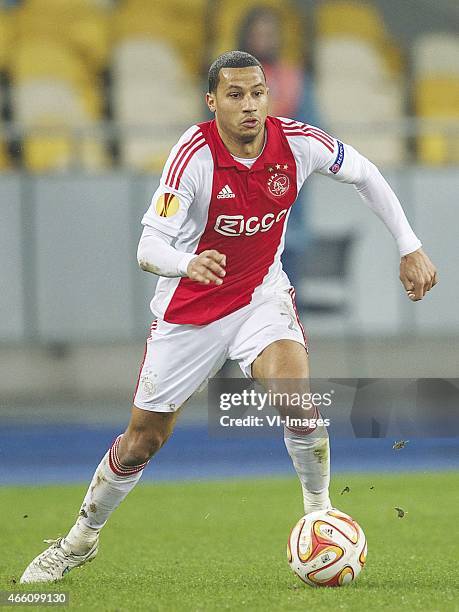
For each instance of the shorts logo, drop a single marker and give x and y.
(336, 166)
(237, 225)
(167, 205)
(278, 184)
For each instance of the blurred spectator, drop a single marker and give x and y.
(261, 35)
(291, 96)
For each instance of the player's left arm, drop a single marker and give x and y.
(417, 273)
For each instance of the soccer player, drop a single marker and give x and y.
(214, 233)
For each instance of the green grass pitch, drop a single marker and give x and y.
(212, 546)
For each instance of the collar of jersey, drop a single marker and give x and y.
(226, 160)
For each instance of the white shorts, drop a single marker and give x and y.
(179, 359)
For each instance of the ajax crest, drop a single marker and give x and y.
(278, 184)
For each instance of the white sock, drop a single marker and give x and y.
(80, 539)
(310, 454)
(111, 483)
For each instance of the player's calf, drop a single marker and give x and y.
(310, 454)
(115, 476)
(146, 433)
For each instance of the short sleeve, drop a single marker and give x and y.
(178, 185)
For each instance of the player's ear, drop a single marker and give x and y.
(210, 101)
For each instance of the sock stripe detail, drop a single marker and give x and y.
(304, 431)
(117, 467)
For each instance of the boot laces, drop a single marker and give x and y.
(52, 556)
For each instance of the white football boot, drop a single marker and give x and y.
(55, 562)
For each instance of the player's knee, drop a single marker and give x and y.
(154, 441)
(282, 359)
(141, 445)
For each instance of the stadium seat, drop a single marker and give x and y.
(188, 36)
(394, 58)
(359, 90)
(142, 58)
(147, 153)
(50, 112)
(438, 99)
(149, 75)
(432, 149)
(91, 100)
(60, 50)
(5, 37)
(359, 98)
(4, 160)
(46, 59)
(359, 22)
(178, 23)
(154, 100)
(357, 19)
(43, 153)
(148, 133)
(436, 55)
(55, 6)
(359, 101)
(364, 118)
(54, 148)
(133, 18)
(436, 95)
(90, 38)
(228, 15)
(349, 58)
(385, 148)
(46, 97)
(76, 25)
(144, 103)
(92, 151)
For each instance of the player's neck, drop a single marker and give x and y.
(247, 150)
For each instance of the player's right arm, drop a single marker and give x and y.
(168, 210)
(155, 254)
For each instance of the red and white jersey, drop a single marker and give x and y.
(208, 200)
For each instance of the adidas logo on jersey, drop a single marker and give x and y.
(225, 193)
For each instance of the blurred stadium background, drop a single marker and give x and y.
(93, 93)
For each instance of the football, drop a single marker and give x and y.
(327, 548)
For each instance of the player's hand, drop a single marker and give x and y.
(418, 274)
(208, 267)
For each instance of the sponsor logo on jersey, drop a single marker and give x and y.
(225, 193)
(167, 205)
(278, 184)
(238, 225)
(336, 166)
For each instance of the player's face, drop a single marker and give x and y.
(240, 102)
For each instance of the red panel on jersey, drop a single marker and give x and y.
(246, 220)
